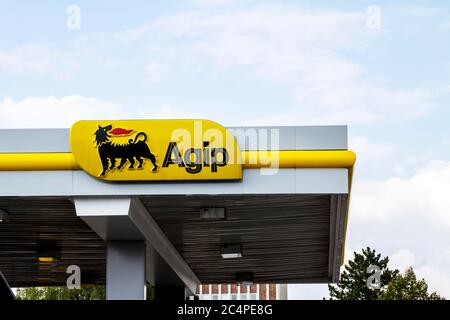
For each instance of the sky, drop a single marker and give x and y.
(380, 67)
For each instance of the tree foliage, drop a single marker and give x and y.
(88, 292)
(353, 284)
(62, 293)
(407, 287)
(353, 281)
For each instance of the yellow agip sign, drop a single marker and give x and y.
(143, 150)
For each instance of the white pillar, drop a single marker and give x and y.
(125, 270)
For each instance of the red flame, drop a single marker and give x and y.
(120, 132)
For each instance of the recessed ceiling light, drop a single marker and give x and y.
(48, 251)
(231, 251)
(4, 216)
(46, 259)
(213, 214)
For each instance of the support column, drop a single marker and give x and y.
(128, 228)
(125, 270)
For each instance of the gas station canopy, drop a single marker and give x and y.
(173, 203)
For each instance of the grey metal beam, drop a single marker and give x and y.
(249, 138)
(338, 212)
(109, 218)
(291, 137)
(156, 237)
(34, 140)
(79, 183)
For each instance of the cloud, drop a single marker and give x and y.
(407, 219)
(307, 52)
(34, 59)
(44, 112)
(423, 196)
(434, 270)
(372, 156)
(213, 2)
(360, 101)
(302, 50)
(156, 71)
(54, 112)
(437, 276)
(413, 11)
(402, 259)
(368, 150)
(408, 165)
(445, 26)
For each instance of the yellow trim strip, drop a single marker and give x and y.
(298, 159)
(37, 162)
(251, 160)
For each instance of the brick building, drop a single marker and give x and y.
(242, 292)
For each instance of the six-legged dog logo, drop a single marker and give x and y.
(109, 151)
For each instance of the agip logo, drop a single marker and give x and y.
(156, 150)
(135, 150)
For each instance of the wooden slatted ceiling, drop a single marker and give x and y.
(284, 238)
(48, 220)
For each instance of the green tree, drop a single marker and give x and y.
(62, 293)
(353, 281)
(407, 287)
(88, 292)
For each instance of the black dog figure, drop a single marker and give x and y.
(134, 149)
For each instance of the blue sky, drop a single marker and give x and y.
(258, 63)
